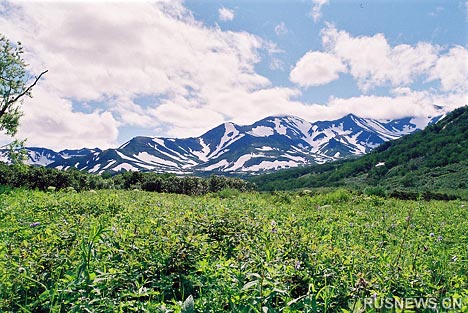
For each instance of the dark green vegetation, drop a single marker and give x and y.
(432, 162)
(42, 178)
(121, 251)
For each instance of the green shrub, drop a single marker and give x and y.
(378, 191)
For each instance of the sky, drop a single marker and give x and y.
(170, 68)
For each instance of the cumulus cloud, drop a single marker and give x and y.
(196, 76)
(316, 9)
(399, 105)
(402, 102)
(51, 121)
(116, 52)
(452, 70)
(316, 68)
(374, 62)
(225, 14)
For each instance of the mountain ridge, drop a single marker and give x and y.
(272, 143)
(434, 159)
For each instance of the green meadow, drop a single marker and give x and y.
(135, 251)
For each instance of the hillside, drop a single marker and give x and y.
(434, 159)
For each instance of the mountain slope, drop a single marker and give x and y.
(275, 142)
(433, 159)
(45, 157)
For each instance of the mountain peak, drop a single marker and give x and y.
(274, 142)
(283, 118)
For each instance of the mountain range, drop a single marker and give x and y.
(432, 160)
(273, 143)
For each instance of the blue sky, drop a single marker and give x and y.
(402, 22)
(179, 68)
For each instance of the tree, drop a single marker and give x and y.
(15, 84)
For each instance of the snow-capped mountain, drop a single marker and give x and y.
(45, 157)
(272, 143)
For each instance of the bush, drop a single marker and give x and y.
(43, 178)
(378, 191)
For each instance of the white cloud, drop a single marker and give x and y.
(50, 121)
(385, 107)
(452, 70)
(316, 68)
(281, 29)
(116, 52)
(276, 64)
(402, 102)
(120, 51)
(373, 62)
(316, 9)
(226, 14)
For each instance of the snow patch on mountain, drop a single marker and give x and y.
(261, 131)
(272, 143)
(222, 163)
(268, 165)
(231, 134)
(203, 153)
(280, 129)
(125, 166)
(109, 164)
(149, 158)
(123, 156)
(420, 122)
(265, 148)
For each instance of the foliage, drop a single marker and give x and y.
(115, 251)
(434, 160)
(19, 175)
(14, 84)
(16, 152)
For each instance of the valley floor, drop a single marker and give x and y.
(114, 251)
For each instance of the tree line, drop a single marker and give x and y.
(42, 178)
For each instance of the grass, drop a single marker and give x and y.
(123, 251)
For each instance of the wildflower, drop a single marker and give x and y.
(34, 224)
(431, 235)
(408, 218)
(361, 284)
(374, 296)
(273, 223)
(454, 258)
(462, 205)
(297, 265)
(439, 238)
(274, 230)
